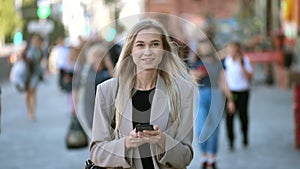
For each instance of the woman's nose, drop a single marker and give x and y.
(147, 51)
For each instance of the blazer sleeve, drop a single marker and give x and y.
(178, 150)
(106, 150)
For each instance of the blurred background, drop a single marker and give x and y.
(269, 31)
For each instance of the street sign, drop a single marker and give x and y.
(40, 26)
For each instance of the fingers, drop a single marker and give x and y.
(156, 127)
(135, 139)
(153, 136)
(230, 108)
(150, 133)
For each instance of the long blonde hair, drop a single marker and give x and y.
(170, 69)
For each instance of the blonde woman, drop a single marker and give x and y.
(152, 87)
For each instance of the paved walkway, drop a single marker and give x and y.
(41, 144)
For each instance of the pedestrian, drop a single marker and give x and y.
(33, 58)
(100, 69)
(59, 60)
(75, 137)
(208, 70)
(152, 87)
(239, 73)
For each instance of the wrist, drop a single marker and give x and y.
(127, 144)
(162, 142)
(229, 100)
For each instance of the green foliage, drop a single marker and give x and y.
(10, 19)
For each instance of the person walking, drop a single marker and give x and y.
(209, 72)
(239, 73)
(100, 69)
(152, 87)
(33, 56)
(59, 60)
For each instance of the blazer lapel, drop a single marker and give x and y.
(160, 106)
(126, 119)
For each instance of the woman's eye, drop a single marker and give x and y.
(139, 45)
(156, 44)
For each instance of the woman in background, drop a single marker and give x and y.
(33, 57)
(208, 71)
(238, 75)
(101, 69)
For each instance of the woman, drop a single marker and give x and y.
(238, 74)
(152, 87)
(208, 71)
(101, 69)
(33, 57)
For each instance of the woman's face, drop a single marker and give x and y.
(147, 49)
(232, 49)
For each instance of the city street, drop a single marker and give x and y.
(40, 144)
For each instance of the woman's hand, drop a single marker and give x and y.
(230, 107)
(154, 137)
(133, 140)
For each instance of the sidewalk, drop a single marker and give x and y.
(271, 134)
(41, 144)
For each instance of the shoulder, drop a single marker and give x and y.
(108, 85)
(227, 59)
(107, 90)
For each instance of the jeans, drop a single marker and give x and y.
(211, 108)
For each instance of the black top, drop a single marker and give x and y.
(141, 102)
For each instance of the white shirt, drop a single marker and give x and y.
(61, 55)
(236, 79)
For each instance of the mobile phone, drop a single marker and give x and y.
(140, 127)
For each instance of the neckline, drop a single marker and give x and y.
(145, 90)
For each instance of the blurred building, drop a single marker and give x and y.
(219, 9)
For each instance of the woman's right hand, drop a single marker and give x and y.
(230, 107)
(133, 140)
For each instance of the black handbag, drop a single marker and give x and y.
(76, 137)
(90, 165)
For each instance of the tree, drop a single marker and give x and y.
(10, 19)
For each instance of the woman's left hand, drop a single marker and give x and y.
(155, 136)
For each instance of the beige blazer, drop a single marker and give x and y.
(108, 146)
